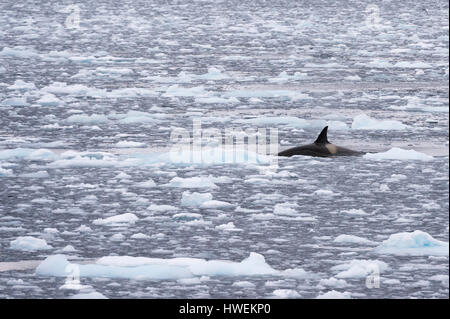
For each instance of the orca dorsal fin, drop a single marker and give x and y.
(322, 139)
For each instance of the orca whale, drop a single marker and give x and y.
(320, 148)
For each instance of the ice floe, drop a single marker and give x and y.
(333, 294)
(28, 154)
(416, 243)
(215, 204)
(126, 218)
(129, 144)
(292, 121)
(352, 239)
(364, 122)
(88, 295)
(286, 293)
(22, 86)
(396, 153)
(15, 101)
(192, 182)
(49, 99)
(29, 243)
(5, 172)
(228, 227)
(359, 268)
(195, 199)
(172, 269)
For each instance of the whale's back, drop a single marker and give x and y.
(320, 148)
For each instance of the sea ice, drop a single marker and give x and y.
(359, 268)
(195, 199)
(416, 243)
(333, 294)
(157, 268)
(127, 218)
(29, 243)
(352, 239)
(364, 122)
(399, 154)
(191, 182)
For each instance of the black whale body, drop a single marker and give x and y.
(320, 148)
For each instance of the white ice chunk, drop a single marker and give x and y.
(359, 268)
(29, 243)
(292, 121)
(324, 192)
(364, 122)
(162, 208)
(413, 65)
(175, 90)
(129, 144)
(333, 282)
(5, 172)
(16, 101)
(19, 52)
(399, 154)
(147, 184)
(49, 100)
(287, 209)
(243, 284)
(88, 295)
(416, 243)
(285, 77)
(286, 293)
(215, 204)
(228, 227)
(140, 236)
(195, 199)
(38, 174)
(191, 182)
(156, 268)
(333, 294)
(83, 229)
(352, 239)
(22, 85)
(87, 119)
(127, 218)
